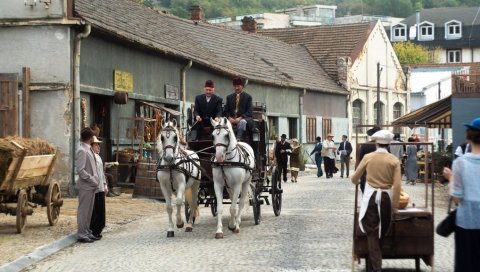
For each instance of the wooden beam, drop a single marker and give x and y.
(26, 101)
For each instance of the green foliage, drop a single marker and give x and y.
(411, 53)
(228, 8)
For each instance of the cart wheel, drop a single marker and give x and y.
(255, 201)
(54, 202)
(22, 205)
(213, 206)
(276, 192)
(188, 211)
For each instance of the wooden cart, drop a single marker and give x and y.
(411, 234)
(26, 183)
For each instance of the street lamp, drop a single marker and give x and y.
(379, 70)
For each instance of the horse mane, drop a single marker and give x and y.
(180, 137)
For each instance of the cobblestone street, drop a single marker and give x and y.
(314, 232)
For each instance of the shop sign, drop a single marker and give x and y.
(171, 92)
(123, 81)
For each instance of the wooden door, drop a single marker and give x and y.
(8, 105)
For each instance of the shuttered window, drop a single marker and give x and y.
(326, 127)
(311, 129)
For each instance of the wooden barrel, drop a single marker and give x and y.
(146, 184)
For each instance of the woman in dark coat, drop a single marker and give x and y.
(295, 160)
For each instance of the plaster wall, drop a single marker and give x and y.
(30, 9)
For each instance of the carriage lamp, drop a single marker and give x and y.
(256, 135)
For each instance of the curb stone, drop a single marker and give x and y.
(39, 254)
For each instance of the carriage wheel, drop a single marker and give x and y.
(54, 202)
(213, 206)
(22, 206)
(276, 192)
(255, 201)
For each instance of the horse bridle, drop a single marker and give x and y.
(219, 127)
(169, 130)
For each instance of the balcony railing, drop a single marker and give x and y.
(466, 85)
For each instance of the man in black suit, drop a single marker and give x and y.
(366, 148)
(239, 108)
(344, 150)
(207, 105)
(282, 150)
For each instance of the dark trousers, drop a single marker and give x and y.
(467, 249)
(318, 162)
(110, 184)
(329, 165)
(98, 214)
(344, 163)
(370, 225)
(282, 169)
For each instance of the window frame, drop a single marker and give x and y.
(454, 24)
(427, 26)
(459, 51)
(311, 129)
(361, 114)
(400, 27)
(382, 113)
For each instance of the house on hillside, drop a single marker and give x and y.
(456, 31)
(349, 53)
(123, 66)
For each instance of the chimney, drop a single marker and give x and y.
(344, 65)
(196, 13)
(249, 24)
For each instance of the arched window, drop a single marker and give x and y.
(358, 112)
(382, 112)
(397, 113)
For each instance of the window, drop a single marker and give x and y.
(453, 30)
(426, 31)
(399, 32)
(454, 56)
(397, 113)
(382, 112)
(311, 129)
(292, 128)
(357, 115)
(326, 127)
(273, 127)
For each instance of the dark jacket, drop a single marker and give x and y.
(345, 145)
(245, 107)
(208, 110)
(317, 150)
(282, 158)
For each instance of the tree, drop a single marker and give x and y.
(411, 53)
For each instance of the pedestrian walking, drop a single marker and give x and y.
(86, 185)
(97, 222)
(317, 150)
(282, 149)
(411, 166)
(328, 150)
(295, 160)
(344, 150)
(381, 196)
(465, 190)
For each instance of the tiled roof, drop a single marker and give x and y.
(439, 16)
(233, 52)
(326, 43)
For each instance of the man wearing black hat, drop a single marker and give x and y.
(282, 149)
(239, 108)
(207, 105)
(364, 150)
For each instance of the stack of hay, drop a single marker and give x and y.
(8, 151)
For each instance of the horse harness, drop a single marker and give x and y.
(243, 158)
(187, 171)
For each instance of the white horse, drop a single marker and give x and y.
(176, 173)
(232, 167)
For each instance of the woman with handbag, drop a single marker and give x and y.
(465, 191)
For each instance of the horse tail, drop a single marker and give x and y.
(189, 200)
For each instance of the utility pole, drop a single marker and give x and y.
(378, 94)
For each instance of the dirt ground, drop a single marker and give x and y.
(121, 210)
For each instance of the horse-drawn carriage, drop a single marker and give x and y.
(234, 173)
(26, 183)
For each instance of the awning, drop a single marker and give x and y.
(171, 111)
(434, 115)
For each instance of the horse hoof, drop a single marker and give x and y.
(236, 230)
(232, 229)
(218, 235)
(188, 229)
(180, 226)
(170, 234)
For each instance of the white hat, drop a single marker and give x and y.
(96, 140)
(382, 137)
